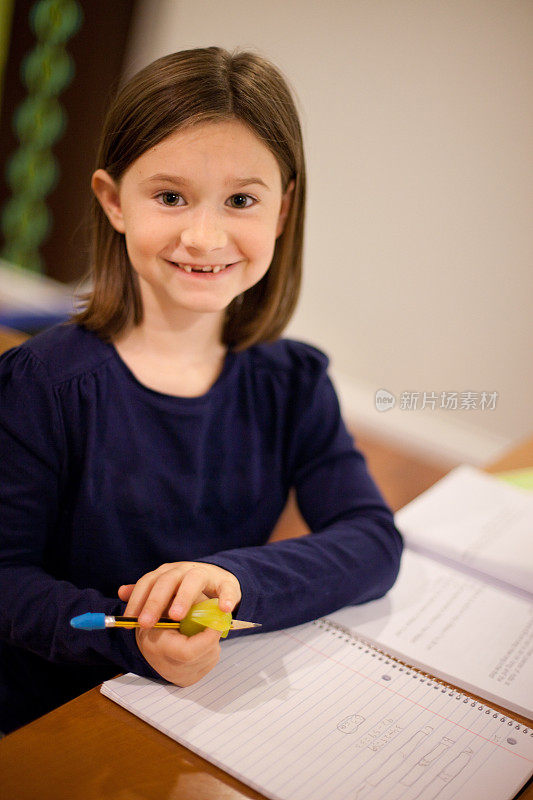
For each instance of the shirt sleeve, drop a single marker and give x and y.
(36, 606)
(353, 552)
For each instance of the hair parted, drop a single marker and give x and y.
(174, 92)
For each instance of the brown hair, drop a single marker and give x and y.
(180, 90)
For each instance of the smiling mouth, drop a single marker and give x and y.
(208, 268)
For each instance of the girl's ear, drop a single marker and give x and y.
(286, 201)
(107, 194)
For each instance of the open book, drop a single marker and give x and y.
(462, 606)
(315, 712)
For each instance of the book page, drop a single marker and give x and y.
(459, 628)
(477, 521)
(309, 713)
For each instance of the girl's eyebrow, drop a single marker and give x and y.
(179, 180)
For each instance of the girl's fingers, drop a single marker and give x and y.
(124, 592)
(193, 583)
(139, 594)
(204, 579)
(160, 596)
(142, 590)
(228, 595)
(178, 585)
(188, 649)
(179, 659)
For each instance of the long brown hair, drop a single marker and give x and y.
(180, 90)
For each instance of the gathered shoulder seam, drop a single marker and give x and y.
(75, 373)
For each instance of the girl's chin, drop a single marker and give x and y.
(200, 305)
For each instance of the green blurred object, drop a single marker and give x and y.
(55, 21)
(522, 478)
(33, 172)
(38, 123)
(6, 14)
(46, 69)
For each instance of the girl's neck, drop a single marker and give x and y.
(182, 359)
(187, 345)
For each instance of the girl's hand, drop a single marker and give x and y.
(179, 659)
(177, 587)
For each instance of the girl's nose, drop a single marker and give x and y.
(204, 232)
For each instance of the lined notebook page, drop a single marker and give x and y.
(461, 629)
(311, 713)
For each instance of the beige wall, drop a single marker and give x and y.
(418, 120)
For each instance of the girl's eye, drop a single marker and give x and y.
(169, 198)
(239, 200)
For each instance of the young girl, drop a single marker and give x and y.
(149, 445)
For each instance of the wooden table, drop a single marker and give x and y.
(10, 338)
(92, 749)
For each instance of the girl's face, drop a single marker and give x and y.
(200, 212)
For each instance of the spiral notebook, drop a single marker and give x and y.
(313, 712)
(462, 605)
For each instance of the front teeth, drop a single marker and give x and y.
(214, 270)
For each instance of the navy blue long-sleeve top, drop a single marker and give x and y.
(103, 479)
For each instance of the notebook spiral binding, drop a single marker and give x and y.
(351, 638)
